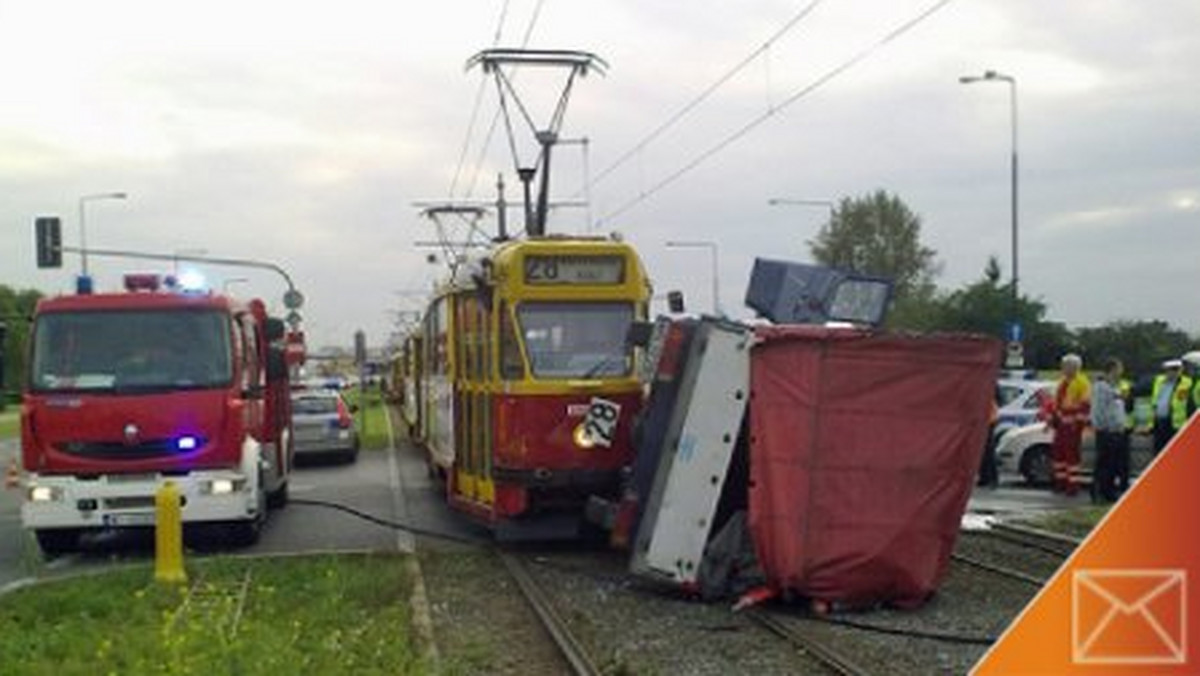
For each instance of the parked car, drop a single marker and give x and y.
(322, 424)
(1026, 451)
(1020, 403)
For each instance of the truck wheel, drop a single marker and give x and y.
(58, 541)
(278, 498)
(1037, 466)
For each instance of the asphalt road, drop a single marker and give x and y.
(391, 485)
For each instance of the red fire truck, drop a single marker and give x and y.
(129, 390)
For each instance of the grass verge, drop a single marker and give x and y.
(10, 423)
(1076, 522)
(371, 419)
(313, 615)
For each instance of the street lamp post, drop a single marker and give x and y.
(712, 248)
(231, 281)
(184, 252)
(993, 76)
(788, 202)
(83, 250)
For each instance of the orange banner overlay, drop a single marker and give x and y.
(1127, 600)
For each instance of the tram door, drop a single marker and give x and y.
(473, 393)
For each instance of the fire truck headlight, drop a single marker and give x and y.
(186, 443)
(221, 486)
(44, 494)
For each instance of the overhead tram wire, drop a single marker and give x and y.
(703, 96)
(487, 141)
(770, 112)
(462, 156)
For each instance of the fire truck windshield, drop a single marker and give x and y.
(122, 351)
(576, 340)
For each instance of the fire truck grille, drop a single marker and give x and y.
(129, 502)
(117, 450)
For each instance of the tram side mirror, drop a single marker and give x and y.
(277, 367)
(274, 329)
(675, 302)
(639, 334)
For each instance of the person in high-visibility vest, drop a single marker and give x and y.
(1072, 408)
(1191, 364)
(1169, 397)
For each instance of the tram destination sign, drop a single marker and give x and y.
(576, 269)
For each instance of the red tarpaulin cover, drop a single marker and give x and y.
(863, 453)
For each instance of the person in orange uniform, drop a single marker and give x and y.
(1072, 409)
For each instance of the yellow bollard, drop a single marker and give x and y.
(168, 535)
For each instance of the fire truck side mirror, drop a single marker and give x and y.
(277, 367)
(48, 232)
(275, 329)
(675, 302)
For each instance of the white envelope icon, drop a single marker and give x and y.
(1129, 616)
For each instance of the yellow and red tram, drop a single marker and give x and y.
(525, 386)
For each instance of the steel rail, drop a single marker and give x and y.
(569, 646)
(999, 570)
(1046, 541)
(807, 644)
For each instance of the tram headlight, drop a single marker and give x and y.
(581, 437)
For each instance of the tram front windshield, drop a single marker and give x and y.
(576, 340)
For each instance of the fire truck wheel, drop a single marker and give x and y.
(58, 541)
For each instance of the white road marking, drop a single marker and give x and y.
(404, 540)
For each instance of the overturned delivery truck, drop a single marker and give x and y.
(832, 464)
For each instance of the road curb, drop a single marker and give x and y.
(418, 600)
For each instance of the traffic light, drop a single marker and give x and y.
(48, 230)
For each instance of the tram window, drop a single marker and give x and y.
(576, 340)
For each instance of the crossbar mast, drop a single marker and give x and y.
(578, 64)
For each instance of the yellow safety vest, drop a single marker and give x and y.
(1179, 398)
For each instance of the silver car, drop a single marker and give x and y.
(322, 424)
(1026, 451)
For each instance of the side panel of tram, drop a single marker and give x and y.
(527, 389)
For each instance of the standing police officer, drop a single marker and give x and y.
(1169, 396)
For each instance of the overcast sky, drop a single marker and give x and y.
(302, 133)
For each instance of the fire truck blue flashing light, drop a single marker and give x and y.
(191, 281)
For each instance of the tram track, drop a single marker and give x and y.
(1030, 556)
(829, 657)
(569, 646)
(1004, 571)
(1035, 538)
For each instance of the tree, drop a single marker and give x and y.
(878, 234)
(1141, 345)
(16, 307)
(986, 306)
